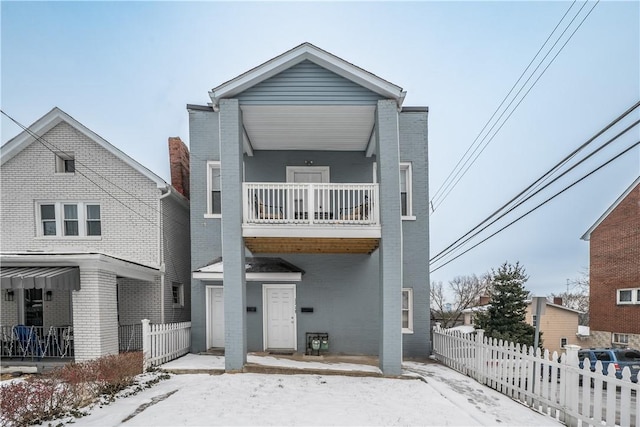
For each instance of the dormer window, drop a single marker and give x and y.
(65, 163)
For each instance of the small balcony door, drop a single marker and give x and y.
(307, 175)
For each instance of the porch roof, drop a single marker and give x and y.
(256, 269)
(62, 278)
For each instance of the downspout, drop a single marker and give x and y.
(161, 251)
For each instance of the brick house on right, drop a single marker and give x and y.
(614, 273)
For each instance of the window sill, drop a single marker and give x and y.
(64, 173)
(73, 238)
(208, 215)
(409, 218)
(407, 331)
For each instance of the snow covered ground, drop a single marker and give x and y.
(436, 396)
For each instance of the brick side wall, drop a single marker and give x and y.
(30, 177)
(206, 241)
(614, 255)
(415, 233)
(177, 258)
(138, 300)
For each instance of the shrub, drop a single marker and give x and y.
(64, 390)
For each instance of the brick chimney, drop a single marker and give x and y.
(179, 164)
(484, 300)
(557, 300)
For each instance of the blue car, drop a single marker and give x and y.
(620, 358)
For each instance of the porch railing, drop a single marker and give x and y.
(37, 342)
(164, 342)
(130, 337)
(288, 203)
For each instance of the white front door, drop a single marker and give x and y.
(279, 307)
(215, 317)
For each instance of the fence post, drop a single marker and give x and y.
(479, 356)
(571, 388)
(146, 344)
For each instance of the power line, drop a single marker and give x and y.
(547, 174)
(448, 251)
(436, 194)
(46, 144)
(539, 205)
(451, 185)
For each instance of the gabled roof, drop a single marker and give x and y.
(587, 235)
(52, 119)
(307, 51)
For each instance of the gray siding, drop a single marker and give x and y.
(308, 84)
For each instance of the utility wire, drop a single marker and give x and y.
(545, 175)
(443, 254)
(55, 150)
(47, 144)
(451, 186)
(539, 205)
(445, 183)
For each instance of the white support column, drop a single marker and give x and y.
(95, 315)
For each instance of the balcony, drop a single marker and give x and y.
(310, 217)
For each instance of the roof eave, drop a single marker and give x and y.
(307, 51)
(587, 235)
(53, 118)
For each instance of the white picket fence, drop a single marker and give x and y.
(164, 342)
(554, 385)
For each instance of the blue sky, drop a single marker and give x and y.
(127, 70)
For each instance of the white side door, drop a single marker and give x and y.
(215, 317)
(279, 307)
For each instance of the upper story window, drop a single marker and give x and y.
(405, 191)
(628, 296)
(214, 188)
(69, 219)
(407, 310)
(65, 163)
(406, 202)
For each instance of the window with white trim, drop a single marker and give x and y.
(563, 342)
(177, 294)
(407, 310)
(405, 190)
(620, 339)
(628, 296)
(214, 189)
(65, 163)
(534, 320)
(68, 219)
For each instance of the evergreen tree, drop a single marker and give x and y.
(504, 319)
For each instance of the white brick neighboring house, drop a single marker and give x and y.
(115, 235)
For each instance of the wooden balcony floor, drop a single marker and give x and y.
(311, 245)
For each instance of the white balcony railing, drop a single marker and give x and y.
(310, 204)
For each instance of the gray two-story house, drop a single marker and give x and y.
(309, 214)
(92, 243)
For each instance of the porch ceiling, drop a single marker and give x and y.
(309, 127)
